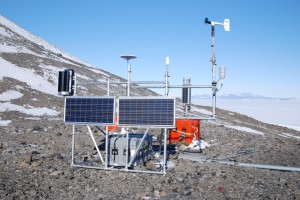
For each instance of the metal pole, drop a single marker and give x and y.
(138, 148)
(73, 146)
(128, 78)
(165, 130)
(173, 86)
(75, 84)
(117, 169)
(213, 59)
(106, 149)
(127, 147)
(281, 168)
(201, 118)
(95, 144)
(166, 80)
(186, 110)
(120, 83)
(213, 62)
(108, 87)
(140, 86)
(214, 105)
(260, 166)
(165, 151)
(147, 82)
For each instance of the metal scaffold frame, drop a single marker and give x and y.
(145, 84)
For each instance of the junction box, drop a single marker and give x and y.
(118, 149)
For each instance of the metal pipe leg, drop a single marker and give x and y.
(95, 144)
(165, 151)
(127, 148)
(106, 148)
(73, 146)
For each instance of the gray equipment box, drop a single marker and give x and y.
(117, 149)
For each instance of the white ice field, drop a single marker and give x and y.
(280, 112)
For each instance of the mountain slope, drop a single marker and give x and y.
(29, 67)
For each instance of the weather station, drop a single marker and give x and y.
(126, 150)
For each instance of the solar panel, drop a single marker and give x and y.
(90, 110)
(147, 111)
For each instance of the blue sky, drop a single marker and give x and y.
(260, 52)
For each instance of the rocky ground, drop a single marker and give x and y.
(36, 156)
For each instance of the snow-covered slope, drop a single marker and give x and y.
(29, 69)
(10, 29)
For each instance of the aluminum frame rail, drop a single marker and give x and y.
(156, 84)
(197, 158)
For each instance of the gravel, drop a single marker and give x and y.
(35, 163)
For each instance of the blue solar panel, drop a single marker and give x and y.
(90, 110)
(145, 111)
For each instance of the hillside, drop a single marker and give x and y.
(35, 144)
(29, 75)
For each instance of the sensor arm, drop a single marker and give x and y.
(226, 23)
(216, 23)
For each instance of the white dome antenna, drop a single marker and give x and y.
(167, 61)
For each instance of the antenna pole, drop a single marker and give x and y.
(213, 58)
(226, 25)
(128, 57)
(128, 77)
(167, 76)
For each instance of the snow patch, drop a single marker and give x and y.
(5, 122)
(30, 111)
(5, 32)
(202, 111)
(14, 49)
(83, 77)
(196, 144)
(32, 118)
(28, 76)
(8, 48)
(245, 129)
(98, 71)
(9, 95)
(289, 135)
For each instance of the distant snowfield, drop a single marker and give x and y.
(279, 112)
